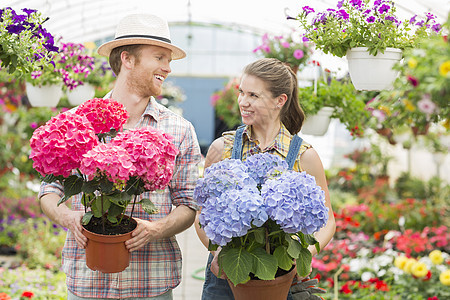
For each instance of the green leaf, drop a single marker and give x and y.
(304, 262)
(115, 210)
(283, 258)
(90, 186)
(236, 263)
(72, 185)
(294, 247)
(260, 235)
(98, 204)
(87, 218)
(212, 247)
(49, 178)
(121, 199)
(264, 265)
(310, 239)
(106, 186)
(63, 199)
(112, 219)
(148, 206)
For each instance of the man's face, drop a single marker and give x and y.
(150, 70)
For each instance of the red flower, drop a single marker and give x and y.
(433, 298)
(27, 294)
(346, 289)
(413, 80)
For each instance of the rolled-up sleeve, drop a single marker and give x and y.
(48, 188)
(186, 170)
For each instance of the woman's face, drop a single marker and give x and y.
(256, 104)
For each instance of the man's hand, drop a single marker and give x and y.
(73, 223)
(145, 232)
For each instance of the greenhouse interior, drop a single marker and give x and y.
(379, 119)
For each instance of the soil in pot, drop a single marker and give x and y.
(96, 226)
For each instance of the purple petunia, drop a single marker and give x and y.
(384, 8)
(370, 19)
(308, 9)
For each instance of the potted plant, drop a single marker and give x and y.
(263, 216)
(44, 86)
(340, 100)
(226, 105)
(110, 175)
(421, 93)
(363, 31)
(25, 45)
(284, 48)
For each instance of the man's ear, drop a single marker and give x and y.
(127, 59)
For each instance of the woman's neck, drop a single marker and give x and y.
(266, 135)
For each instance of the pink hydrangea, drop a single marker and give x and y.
(104, 114)
(152, 153)
(108, 160)
(57, 146)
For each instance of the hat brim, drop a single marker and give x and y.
(106, 48)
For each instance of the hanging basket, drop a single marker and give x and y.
(276, 289)
(318, 124)
(43, 96)
(80, 94)
(107, 253)
(372, 73)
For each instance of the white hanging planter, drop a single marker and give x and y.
(80, 94)
(44, 96)
(372, 73)
(318, 124)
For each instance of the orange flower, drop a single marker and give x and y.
(4, 296)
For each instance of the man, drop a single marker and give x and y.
(140, 56)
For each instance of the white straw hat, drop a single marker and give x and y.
(142, 29)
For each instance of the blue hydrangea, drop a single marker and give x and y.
(263, 165)
(222, 176)
(232, 215)
(295, 202)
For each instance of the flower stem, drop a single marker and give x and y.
(267, 241)
(103, 215)
(134, 203)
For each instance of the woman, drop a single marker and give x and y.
(272, 117)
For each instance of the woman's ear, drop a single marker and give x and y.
(281, 100)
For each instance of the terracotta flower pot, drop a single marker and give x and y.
(107, 253)
(276, 289)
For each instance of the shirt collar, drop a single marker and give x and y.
(150, 110)
(280, 144)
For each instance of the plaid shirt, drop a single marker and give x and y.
(280, 145)
(156, 268)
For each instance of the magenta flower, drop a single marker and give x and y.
(426, 106)
(33, 125)
(36, 74)
(57, 146)
(104, 114)
(413, 80)
(152, 154)
(108, 160)
(285, 44)
(298, 54)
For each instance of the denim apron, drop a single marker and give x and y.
(216, 288)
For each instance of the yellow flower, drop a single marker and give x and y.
(409, 105)
(408, 265)
(419, 269)
(445, 277)
(446, 124)
(400, 261)
(436, 257)
(412, 63)
(385, 109)
(444, 68)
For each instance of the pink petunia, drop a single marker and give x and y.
(298, 54)
(425, 105)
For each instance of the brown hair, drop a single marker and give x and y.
(280, 79)
(114, 58)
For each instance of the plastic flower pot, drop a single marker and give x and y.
(80, 94)
(276, 289)
(107, 253)
(372, 73)
(44, 96)
(318, 124)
